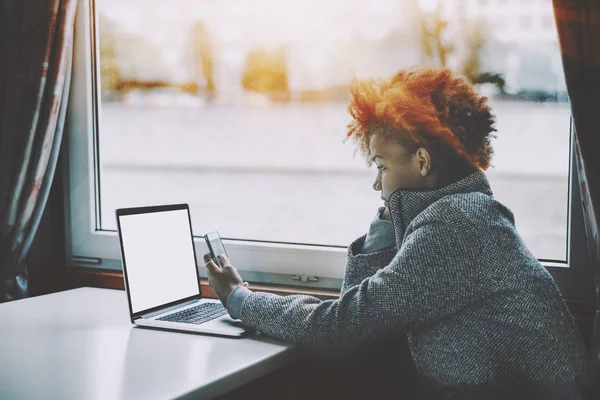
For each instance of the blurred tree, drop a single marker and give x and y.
(475, 41)
(266, 72)
(489, 77)
(110, 75)
(435, 50)
(471, 67)
(203, 58)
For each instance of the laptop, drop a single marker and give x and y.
(160, 273)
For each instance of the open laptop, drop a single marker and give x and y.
(160, 273)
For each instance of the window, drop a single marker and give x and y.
(548, 23)
(239, 109)
(501, 23)
(525, 22)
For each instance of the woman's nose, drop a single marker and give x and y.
(377, 186)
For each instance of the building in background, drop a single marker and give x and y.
(520, 40)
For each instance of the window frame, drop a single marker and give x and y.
(89, 247)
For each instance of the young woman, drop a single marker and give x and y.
(442, 265)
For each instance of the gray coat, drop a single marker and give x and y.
(478, 308)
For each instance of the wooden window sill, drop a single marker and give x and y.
(78, 277)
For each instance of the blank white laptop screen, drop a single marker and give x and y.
(159, 257)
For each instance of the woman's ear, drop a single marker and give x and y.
(424, 160)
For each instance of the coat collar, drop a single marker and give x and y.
(406, 204)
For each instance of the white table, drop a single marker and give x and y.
(80, 344)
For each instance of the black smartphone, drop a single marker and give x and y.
(215, 246)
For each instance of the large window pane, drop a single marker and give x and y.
(239, 108)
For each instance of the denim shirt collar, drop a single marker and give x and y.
(406, 204)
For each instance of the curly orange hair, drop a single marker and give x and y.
(434, 108)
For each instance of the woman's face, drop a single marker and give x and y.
(397, 167)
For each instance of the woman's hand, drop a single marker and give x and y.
(386, 214)
(223, 280)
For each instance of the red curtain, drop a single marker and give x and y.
(578, 23)
(36, 46)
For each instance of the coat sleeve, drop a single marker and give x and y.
(434, 274)
(362, 266)
(371, 252)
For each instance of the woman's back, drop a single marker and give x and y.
(516, 331)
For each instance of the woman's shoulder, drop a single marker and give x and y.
(475, 208)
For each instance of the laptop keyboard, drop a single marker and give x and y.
(197, 315)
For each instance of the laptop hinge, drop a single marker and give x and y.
(167, 309)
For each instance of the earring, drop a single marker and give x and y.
(423, 172)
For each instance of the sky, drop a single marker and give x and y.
(264, 21)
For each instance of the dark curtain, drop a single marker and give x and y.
(578, 25)
(35, 65)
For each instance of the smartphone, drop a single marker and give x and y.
(215, 246)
